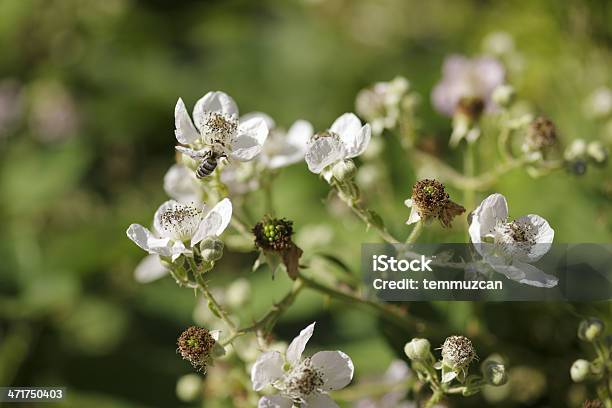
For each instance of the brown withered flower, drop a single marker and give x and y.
(198, 346)
(273, 236)
(593, 404)
(429, 201)
(541, 135)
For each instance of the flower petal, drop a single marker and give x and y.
(336, 367)
(182, 228)
(494, 208)
(267, 369)
(541, 233)
(535, 277)
(274, 401)
(300, 133)
(149, 269)
(270, 123)
(323, 152)
(251, 136)
(140, 235)
(355, 137)
(208, 227)
(298, 344)
(185, 132)
(224, 209)
(215, 101)
(414, 216)
(181, 184)
(318, 400)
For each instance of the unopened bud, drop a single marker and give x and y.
(503, 95)
(597, 152)
(418, 349)
(344, 170)
(494, 373)
(576, 150)
(580, 370)
(211, 249)
(591, 329)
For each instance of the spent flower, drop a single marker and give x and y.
(273, 237)
(457, 354)
(199, 346)
(301, 381)
(431, 201)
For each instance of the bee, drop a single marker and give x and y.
(207, 157)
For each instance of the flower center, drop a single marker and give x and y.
(180, 222)
(195, 345)
(303, 381)
(218, 129)
(325, 133)
(273, 234)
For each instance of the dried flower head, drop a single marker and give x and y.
(430, 200)
(196, 345)
(471, 107)
(541, 134)
(273, 234)
(458, 352)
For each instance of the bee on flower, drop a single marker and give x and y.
(218, 132)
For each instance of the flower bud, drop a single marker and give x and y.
(238, 293)
(503, 95)
(418, 349)
(211, 249)
(580, 370)
(597, 152)
(494, 373)
(591, 329)
(344, 170)
(458, 352)
(189, 387)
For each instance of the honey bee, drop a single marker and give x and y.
(207, 157)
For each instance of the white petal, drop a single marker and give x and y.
(300, 133)
(185, 132)
(542, 235)
(536, 277)
(494, 208)
(355, 137)
(320, 401)
(270, 123)
(274, 401)
(181, 184)
(178, 249)
(224, 209)
(209, 225)
(215, 334)
(182, 229)
(214, 102)
(414, 216)
(140, 235)
(323, 152)
(337, 369)
(250, 139)
(149, 269)
(267, 369)
(298, 344)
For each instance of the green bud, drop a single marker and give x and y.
(344, 170)
(418, 349)
(591, 329)
(580, 370)
(211, 249)
(494, 373)
(503, 95)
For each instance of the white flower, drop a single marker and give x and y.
(150, 269)
(346, 139)
(303, 382)
(397, 373)
(217, 125)
(511, 246)
(178, 223)
(283, 148)
(380, 103)
(181, 184)
(599, 103)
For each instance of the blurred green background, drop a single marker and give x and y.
(87, 93)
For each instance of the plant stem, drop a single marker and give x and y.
(203, 287)
(435, 398)
(415, 233)
(469, 169)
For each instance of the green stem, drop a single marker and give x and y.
(415, 233)
(203, 287)
(469, 170)
(435, 398)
